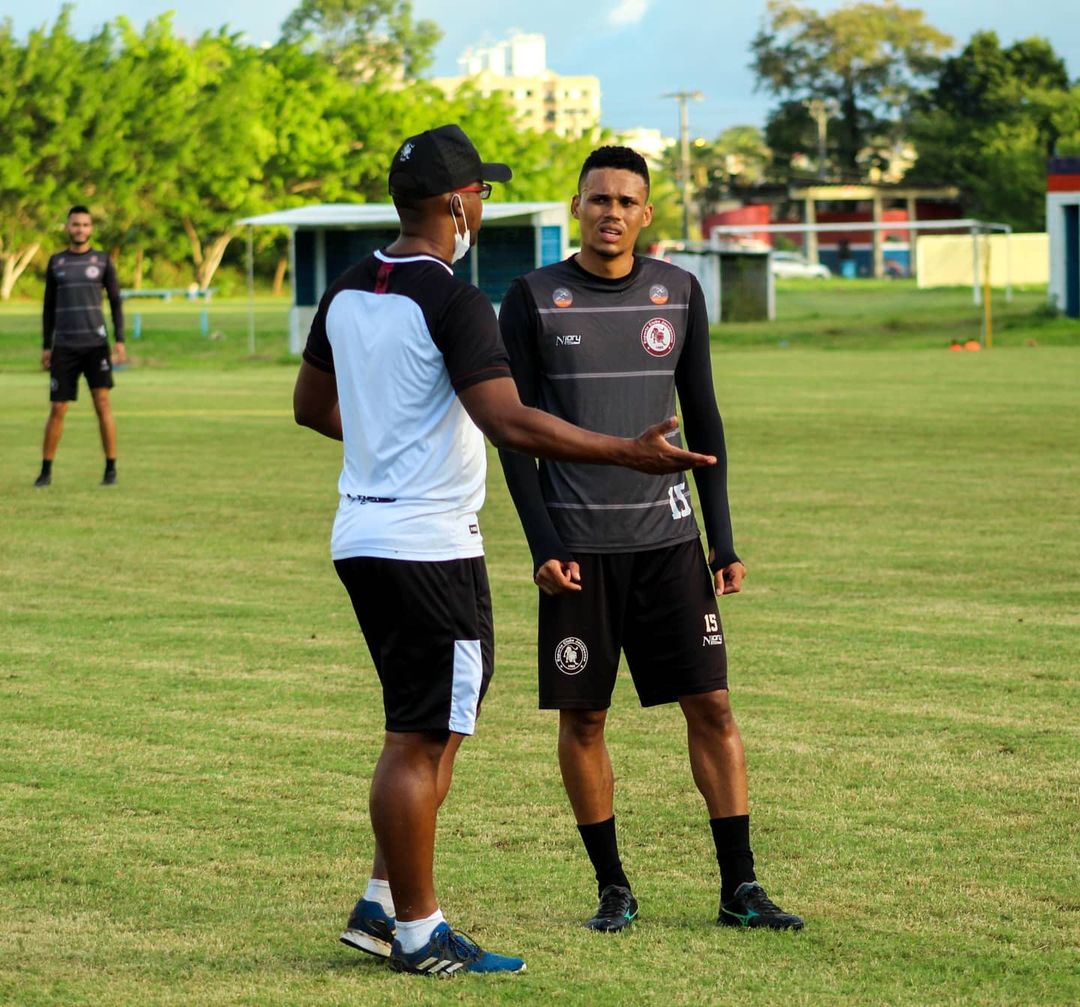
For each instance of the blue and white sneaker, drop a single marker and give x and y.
(369, 929)
(449, 952)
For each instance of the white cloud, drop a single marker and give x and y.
(627, 12)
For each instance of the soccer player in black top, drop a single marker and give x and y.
(75, 341)
(404, 364)
(605, 340)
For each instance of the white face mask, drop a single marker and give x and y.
(462, 242)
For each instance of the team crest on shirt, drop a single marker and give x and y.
(658, 293)
(571, 656)
(92, 272)
(562, 297)
(658, 337)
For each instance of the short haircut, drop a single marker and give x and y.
(79, 208)
(622, 158)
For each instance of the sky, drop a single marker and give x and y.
(640, 49)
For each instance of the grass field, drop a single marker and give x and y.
(188, 716)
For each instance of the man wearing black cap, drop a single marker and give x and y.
(405, 365)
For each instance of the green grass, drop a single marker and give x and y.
(188, 716)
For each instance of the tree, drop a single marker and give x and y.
(40, 82)
(365, 38)
(868, 58)
(991, 121)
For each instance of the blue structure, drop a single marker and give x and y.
(324, 240)
(1063, 226)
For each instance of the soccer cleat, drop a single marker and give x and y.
(616, 911)
(751, 907)
(449, 952)
(42, 481)
(109, 479)
(369, 929)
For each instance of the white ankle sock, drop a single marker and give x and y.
(379, 891)
(414, 934)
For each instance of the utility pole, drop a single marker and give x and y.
(820, 109)
(684, 153)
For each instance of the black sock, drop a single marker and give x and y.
(110, 465)
(46, 466)
(603, 849)
(733, 853)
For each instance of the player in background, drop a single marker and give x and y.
(404, 364)
(75, 340)
(605, 340)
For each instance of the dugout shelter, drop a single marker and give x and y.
(326, 239)
(1063, 228)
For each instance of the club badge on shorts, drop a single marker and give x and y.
(658, 337)
(571, 656)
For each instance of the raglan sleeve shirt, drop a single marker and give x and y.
(704, 429)
(467, 334)
(518, 324)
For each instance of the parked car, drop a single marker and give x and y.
(788, 265)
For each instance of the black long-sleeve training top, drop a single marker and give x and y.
(72, 315)
(610, 355)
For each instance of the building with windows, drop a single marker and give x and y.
(544, 100)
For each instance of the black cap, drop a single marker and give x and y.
(440, 160)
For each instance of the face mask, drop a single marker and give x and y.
(462, 242)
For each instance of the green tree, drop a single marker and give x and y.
(989, 124)
(868, 58)
(365, 38)
(41, 83)
(221, 169)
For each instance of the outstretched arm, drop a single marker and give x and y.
(498, 411)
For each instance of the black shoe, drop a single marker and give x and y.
(42, 480)
(109, 479)
(616, 911)
(751, 907)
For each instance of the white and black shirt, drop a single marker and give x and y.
(402, 336)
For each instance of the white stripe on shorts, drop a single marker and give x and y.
(465, 694)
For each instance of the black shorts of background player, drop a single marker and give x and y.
(75, 341)
(604, 339)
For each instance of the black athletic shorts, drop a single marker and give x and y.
(67, 363)
(428, 627)
(659, 606)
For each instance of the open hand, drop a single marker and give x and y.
(652, 452)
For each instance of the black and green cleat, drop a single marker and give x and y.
(616, 911)
(751, 907)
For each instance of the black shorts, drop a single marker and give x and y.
(428, 627)
(67, 363)
(659, 606)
